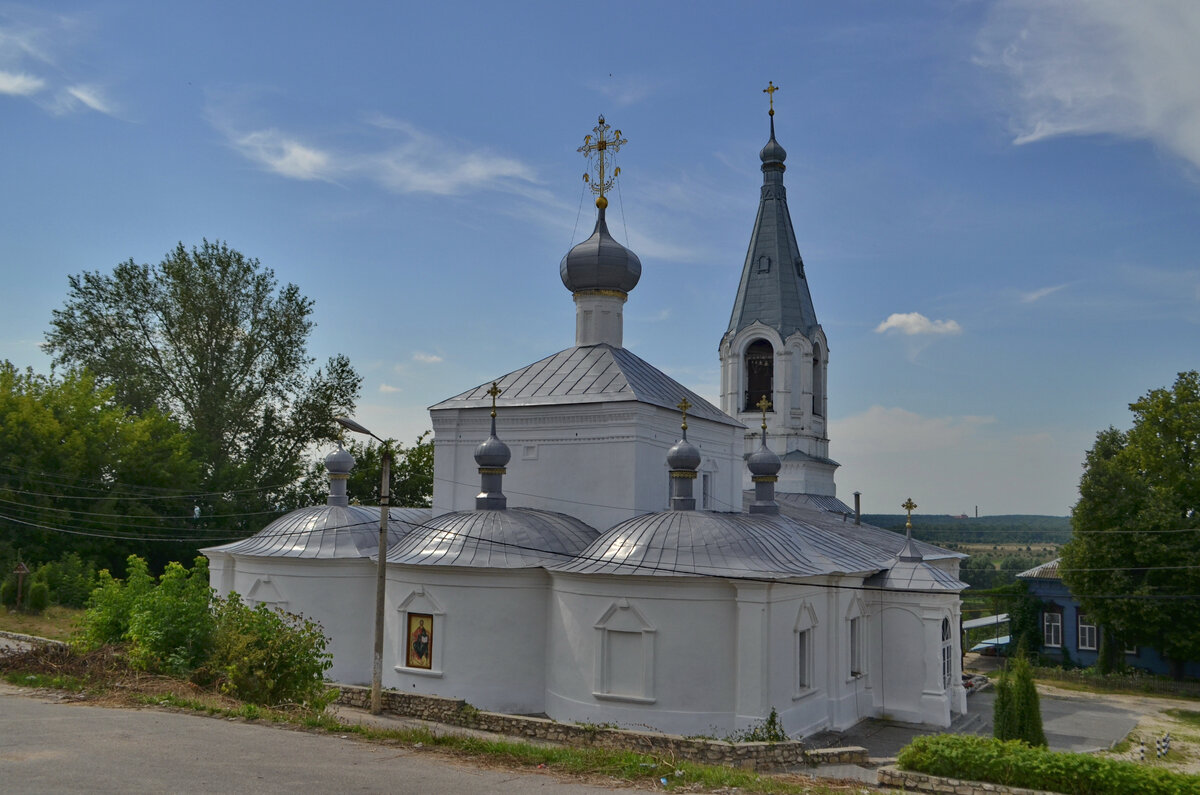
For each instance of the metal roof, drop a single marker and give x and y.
(325, 532)
(804, 508)
(514, 538)
(986, 621)
(1046, 571)
(773, 289)
(910, 575)
(588, 374)
(707, 543)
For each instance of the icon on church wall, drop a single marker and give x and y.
(420, 641)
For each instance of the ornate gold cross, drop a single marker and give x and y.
(595, 147)
(909, 506)
(495, 393)
(683, 406)
(764, 406)
(770, 92)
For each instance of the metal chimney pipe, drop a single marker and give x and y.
(858, 507)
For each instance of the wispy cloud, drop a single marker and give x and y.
(88, 96)
(426, 358)
(1037, 295)
(388, 389)
(914, 323)
(283, 155)
(19, 84)
(1103, 67)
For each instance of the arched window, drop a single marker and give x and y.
(760, 374)
(947, 654)
(818, 385)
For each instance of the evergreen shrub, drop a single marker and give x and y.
(1017, 713)
(8, 592)
(39, 597)
(1016, 764)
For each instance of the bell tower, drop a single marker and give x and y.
(774, 347)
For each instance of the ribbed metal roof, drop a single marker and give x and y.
(589, 374)
(803, 508)
(327, 532)
(706, 543)
(515, 538)
(907, 575)
(1046, 571)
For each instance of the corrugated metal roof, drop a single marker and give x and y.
(907, 575)
(326, 532)
(706, 543)
(514, 538)
(588, 374)
(1046, 571)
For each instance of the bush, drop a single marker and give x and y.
(171, 626)
(1016, 764)
(111, 604)
(39, 597)
(69, 578)
(267, 656)
(8, 592)
(1017, 712)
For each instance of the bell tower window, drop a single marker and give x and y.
(760, 374)
(818, 383)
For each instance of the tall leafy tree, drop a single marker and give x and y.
(208, 336)
(79, 473)
(412, 475)
(1134, 559)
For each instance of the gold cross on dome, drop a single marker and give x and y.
(683, 406)
(596, 147)
(764, 406)
(909, 506)
(770, 92)
(495, 393)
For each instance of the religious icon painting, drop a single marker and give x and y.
(420, 641)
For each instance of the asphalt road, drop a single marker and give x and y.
(47, 746)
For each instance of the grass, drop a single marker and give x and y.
(57, 682)
(56, 623)
(1188, 716)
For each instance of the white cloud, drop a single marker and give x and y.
(1102, 67)
(20, 84)
(1037, 295)
(426, 358)
(283, 155)
(389, 389)
(951, 464)
(914, 323)
(88, 96)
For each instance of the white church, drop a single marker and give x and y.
(702, 571)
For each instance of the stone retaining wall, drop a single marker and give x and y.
(456, 712)
(923, 782)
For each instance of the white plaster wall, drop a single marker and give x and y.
(489, 637)
(600, 462)
(694, 667)
(339, 594)
(803, 711)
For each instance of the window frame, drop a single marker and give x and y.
(1057, 624)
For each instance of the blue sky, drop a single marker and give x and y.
(998, 203)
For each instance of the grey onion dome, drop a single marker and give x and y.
(492, 452)
(683, 455)
(339, 462)
(773, 153)
(763, 462)
(600, 263)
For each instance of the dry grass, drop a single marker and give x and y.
(56, 623)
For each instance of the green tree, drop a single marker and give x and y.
(1017, 712)
(411, 483)
(209, 337)
(79, 473)
(1131, 560)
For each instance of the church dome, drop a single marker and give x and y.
(683, 455)
(339, 462)
(600, 263)
(515, 538)
(763, 462)
(492, 452)
(327, 532)
(704, 543)
(773, 152)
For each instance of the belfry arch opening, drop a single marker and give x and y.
(818, 385)
(760, 374)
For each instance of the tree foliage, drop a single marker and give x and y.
(1017, 711)
(411, 483)
(209, 337)
(1137, 525)
(77, 469)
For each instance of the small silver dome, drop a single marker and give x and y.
(492, 452)
(763, 462)
(773, 152)
(600, 263)
(683, 455)
(339, 462)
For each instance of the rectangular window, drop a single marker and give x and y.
(1086, 637)
(856, 661)
(803, 675)
(706, 491)
(1052, 630)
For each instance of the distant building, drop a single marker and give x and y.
(1066, 627)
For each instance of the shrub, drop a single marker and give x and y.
(8, 592)
(171, 625)
(769, 731)
(69, 578)
(39, 597)
(1017, 712)
(267, 656)
(110, 605)
(1016, 764)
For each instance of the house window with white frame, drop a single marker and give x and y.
(1086, 637)
(1052, 630)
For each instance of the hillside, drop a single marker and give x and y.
(1008, 529)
